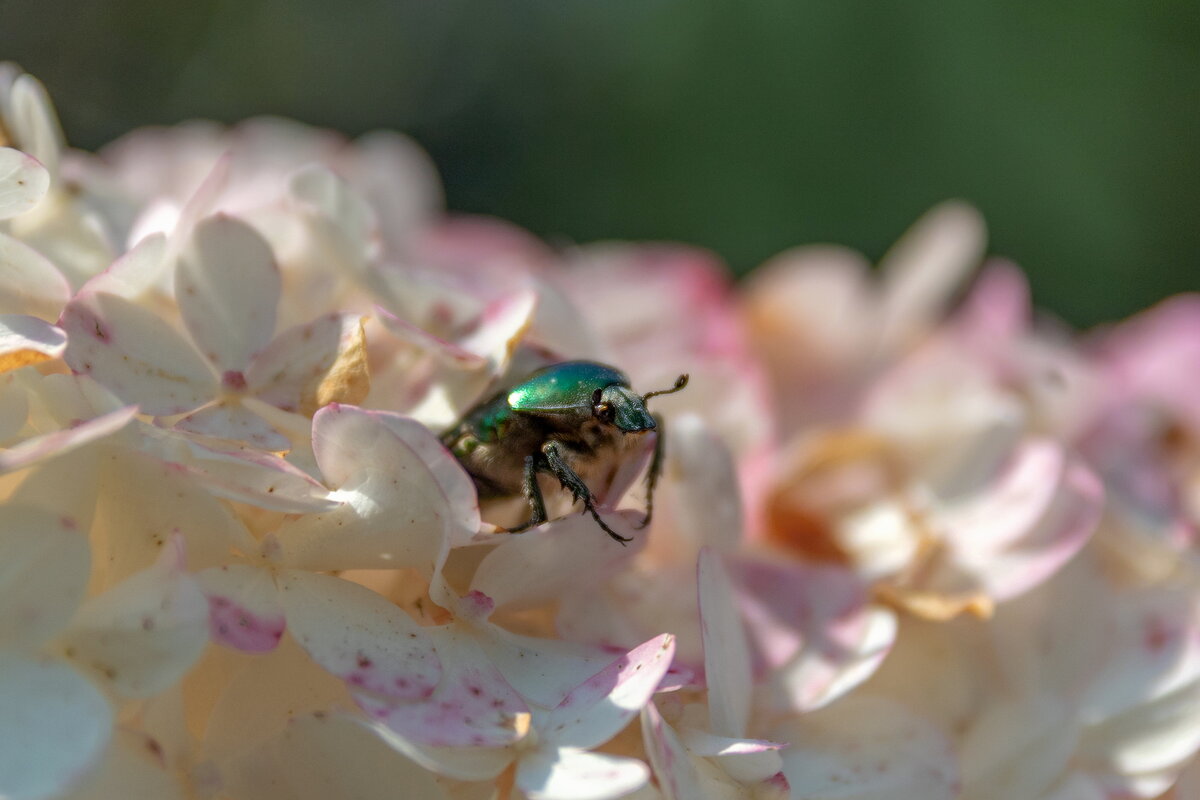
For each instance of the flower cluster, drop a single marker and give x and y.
(909, 541)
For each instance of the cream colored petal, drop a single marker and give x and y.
(44, 565)
(29, 282)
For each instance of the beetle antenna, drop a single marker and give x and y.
(680, 382)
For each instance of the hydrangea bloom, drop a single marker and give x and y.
(903, 546)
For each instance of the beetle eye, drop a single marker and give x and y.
(596, 395)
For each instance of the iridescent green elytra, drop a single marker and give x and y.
(574, 420)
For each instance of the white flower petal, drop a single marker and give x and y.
(54, 724)
(145, 633)
(360, 637)
(23, 182)
(321, 756)
(926, 266)
(28, 340)
(543, 671)
(568, 774)
(49, 445)
(1040, 512)
(136, 355)
(29, 282)
(463, 763)
(132, 769)
(572, 552)
(395, 510)
(134, 273)
(700, 495)
(726, 650)
(813, 625)
(245, 611)
(232, 420)
(288, 372)
(669, 759)
(228, 287)
(597, 709)
(34, 124)
(1018, 746)
(44, 566)
(867, 748)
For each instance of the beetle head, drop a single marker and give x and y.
(619, 405)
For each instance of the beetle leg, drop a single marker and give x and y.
(570, 481)
(533, 493)
(656, 467)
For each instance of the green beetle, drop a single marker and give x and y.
(567, 419)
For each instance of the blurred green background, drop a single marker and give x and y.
(747, 126)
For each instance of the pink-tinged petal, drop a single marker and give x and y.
(360, 637)
(461, 763)
(136, 355)
(29, 282)
(925, 268)
(395, 512)
(134, 273)
(142, 635)
(567, 774)
(54, 724)
(49, 445)
(227, 287)
(288, 373)
(543, 671)
(747, 761)
(726, 651)
(43, 574)
(472, 706)
(867, 748)
(597, 709)
(131, 769)
(33, 123)
(1040, 512)
(321, 756)
(245, 611)
(23, 182)
(449, 352)
(568, 553)
(701, 495)
(401, 183)
(669, 759)
(202, 202)
(28, 340)
(232, 420)
(259, 478)
(998, 308)
(814, 628)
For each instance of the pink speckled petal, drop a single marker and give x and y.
(543, 671)
(227, 287)
(568, 774)
(142, 635)
(867, 748)
(1036, 516)
(232, 420)
(571, 552)
(136, 355)
(449, 352)
(23, 182)
(43, 574)
(472, 706)
(814, 628)
(360, 637)
(394, 508)
(300, 357)
(748, 761)
(28, 340)
(726, 650)
(597, 709)
(323, 755)
(54, 724)
(29, 282)
(245, 611)
(49, 445)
